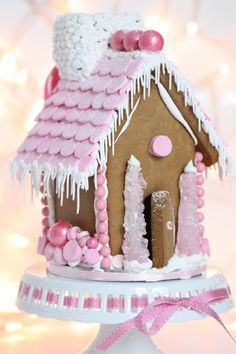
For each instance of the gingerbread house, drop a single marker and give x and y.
(118, 150)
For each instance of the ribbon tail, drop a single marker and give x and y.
(205, 308)
(115, 335)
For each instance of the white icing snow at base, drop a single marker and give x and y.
(136, 267)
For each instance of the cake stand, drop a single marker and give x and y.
(112, 303)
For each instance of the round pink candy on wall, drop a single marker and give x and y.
(160, 146)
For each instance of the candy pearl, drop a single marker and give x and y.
(102, 227)
(45, 211)
(160, 146)
(101, 170)
(106, 263)
(117, 261)
(205, 247)
(82, 241)
(116, 40)
(200, 203)
(151, 41)
(72, 251)
(200, 179)
(44, 200)
(72, 233)
(105, 251)
(42, 241)
(201, 229)
(101, 204)
(91, 256)
(198, 156)
(103, 239)
(92, 242)
(100, 192)
(57, 233)
(131, 40)
(200, 167)
(45, 222)
(41, 189)
(200, 217)
(200, 192)
(49, 251)
(100, 180)
(102, 216)
(58, 256)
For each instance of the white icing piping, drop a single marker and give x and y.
(175, 111)
(125, 126)
(154, 63)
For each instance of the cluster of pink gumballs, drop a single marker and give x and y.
(200, 202)
(67, 244)
(150, 40)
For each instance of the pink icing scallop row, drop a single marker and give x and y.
(150, 40)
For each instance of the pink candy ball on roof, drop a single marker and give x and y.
(151, 41)
(57, 234)
(131, 40)
(116, 41)
(160, 146)
(72, 251)
(91, 256)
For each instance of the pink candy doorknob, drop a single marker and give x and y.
(131, 40)
(160, 146)
(151, 41)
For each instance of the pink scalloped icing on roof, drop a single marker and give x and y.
(78, 115)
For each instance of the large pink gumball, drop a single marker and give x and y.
(151, 41)
(72, 251)
(57, 233)
(131, 40)
(116, 40)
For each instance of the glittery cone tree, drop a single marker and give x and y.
(188, 238)
(134, 245)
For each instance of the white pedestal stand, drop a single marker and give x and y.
(87, 301)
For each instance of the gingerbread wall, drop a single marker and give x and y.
(151, 118)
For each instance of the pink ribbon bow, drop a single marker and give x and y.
(154, 316)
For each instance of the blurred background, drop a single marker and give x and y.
(200, 38)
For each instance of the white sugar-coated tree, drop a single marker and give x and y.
(134, 245)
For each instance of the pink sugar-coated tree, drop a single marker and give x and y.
(188, 237)
(135, 245)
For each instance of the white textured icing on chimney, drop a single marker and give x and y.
(80, 40)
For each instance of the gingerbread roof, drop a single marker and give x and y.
(79, 120)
